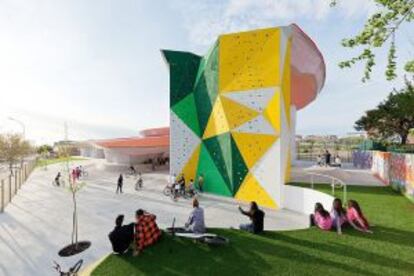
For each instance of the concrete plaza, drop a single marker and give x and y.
(38, 222)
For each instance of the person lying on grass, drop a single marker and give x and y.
(146, 231)
(356, 218)
(321, 218)
(122, 236)
(256, 217)
(195, 223)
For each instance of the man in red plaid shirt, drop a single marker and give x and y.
(146, 230)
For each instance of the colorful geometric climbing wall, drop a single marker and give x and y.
(230, 115)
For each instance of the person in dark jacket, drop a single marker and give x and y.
(120, 184)
(122, 236)
(256, 217)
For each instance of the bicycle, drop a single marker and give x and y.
(168, 190)
(84, 173)
(73, 271)
(130, 173)
(58, 183)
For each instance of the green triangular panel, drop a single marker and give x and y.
(211, 73)
(183, 72)
(224, 141)
(239, 168)
(187, 112)
(203, 104)
(222, 159)
(213, 181)
(206, 86)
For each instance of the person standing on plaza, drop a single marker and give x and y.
(120, 184)
(200, 182)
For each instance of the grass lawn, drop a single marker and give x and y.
(47, 162)
(389, 251)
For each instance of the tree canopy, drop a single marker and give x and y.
(13, 148)
(394, 116)
(380, 31)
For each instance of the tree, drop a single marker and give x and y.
(394, 116)
(74, 186)
(380, 31)
(44, 149)
(13, 148)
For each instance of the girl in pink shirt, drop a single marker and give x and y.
(321, 218)
(356, 218)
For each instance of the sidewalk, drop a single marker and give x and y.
(38, 222)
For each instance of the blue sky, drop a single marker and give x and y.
(97, 64)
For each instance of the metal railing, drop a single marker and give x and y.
(10, 185)
(335, 182)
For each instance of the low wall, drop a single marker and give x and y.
(302, 200)
(395, 169)
(362, 159)
(381, 165)
(402, 173)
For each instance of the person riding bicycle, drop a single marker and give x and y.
(176, 189)
(181, 182)
(139, 181)
(132, 170)
(57, 179)
(191, 188)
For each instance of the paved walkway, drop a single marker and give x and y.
(38, 222)
(301, 171)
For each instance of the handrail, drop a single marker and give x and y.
(333, 179)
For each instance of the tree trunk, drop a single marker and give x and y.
(74, 220)
(404, 137)
(11, 168)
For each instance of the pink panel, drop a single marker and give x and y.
(307, 67)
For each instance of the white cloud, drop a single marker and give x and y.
(206, 20)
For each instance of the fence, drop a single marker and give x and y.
(11, 184)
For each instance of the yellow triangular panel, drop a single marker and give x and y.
(252, 146)
(250, 190)
(236, 113)
(286, 81)
(249, 60)
(272, 111)
(190, 169)
(217, 123)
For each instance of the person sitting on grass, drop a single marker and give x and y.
(146, 231)
(256, 217)
(338, 216)
(356, 218)
(122, 236)
(195, 223)
(321, 218)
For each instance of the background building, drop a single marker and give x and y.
(151, 146)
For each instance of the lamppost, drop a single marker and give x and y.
(21, 124)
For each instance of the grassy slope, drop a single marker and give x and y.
(47, 162)
(389, 251)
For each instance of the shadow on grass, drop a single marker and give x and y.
(348, 251)
(387, 234)
(245, 255)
